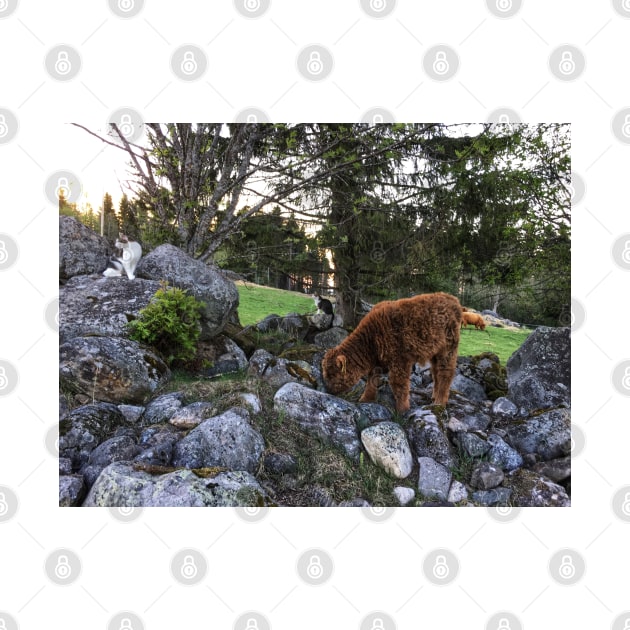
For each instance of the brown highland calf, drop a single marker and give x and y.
(391, 338)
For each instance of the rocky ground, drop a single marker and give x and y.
(255, 426)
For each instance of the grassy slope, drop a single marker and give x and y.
(256, 302)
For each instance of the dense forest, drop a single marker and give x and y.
(367, 212)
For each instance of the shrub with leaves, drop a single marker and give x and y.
(169, 323)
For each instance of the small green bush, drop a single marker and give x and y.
(169, 323)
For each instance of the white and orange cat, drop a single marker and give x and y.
(131, 254)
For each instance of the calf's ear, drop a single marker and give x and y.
(340, 362)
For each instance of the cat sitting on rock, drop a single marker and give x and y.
(131, 254)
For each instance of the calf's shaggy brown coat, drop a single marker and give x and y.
(391, 338)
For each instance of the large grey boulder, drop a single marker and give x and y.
(539, 372)
(84, 428)
(111, 369)
(218, 295)
(81, 251)
(100, 306)
(227, 440)
(427, 440)
(547, 434)
(120, 485)
(324, 416)
(434, 480)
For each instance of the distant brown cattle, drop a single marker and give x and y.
(474, 319)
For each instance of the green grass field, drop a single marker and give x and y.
(256, 302)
